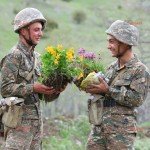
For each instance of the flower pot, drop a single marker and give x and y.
(58, 82)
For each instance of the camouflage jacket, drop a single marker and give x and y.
(132, 86)
(15, 68)
(128, 91)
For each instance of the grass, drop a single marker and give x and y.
(70, 134)
(145, 124)
(142, 144)
(90, 34)
(66, 133)
(143, 139)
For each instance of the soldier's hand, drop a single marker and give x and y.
(61, 90)
(40, 88)
(98, 88)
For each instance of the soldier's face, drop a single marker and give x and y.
(35, 32)
(113, 45)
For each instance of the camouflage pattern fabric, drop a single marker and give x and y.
(27, 136)
(98, 140)
(124, 32)
(132, 87)
(14, 69)
(118, 127)
(2, 141)
(26, 17)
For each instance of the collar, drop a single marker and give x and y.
(129, 64)
(28, 52)
(132, 61)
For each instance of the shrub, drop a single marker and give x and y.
(51, 24)
(15, 11)
(79, 16)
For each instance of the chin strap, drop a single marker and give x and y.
(29, 76)
(29, 41)
(120, 54)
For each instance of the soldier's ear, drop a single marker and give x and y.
(23, 31)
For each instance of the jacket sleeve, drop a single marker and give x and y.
(132, 92)
(9, 73)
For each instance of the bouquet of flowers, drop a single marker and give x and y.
(58, 67)
(90, 65)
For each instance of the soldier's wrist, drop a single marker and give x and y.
(29, 88)
(108, 93)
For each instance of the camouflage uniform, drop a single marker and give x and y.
(16, 82)
(117, 130)
(15, 67)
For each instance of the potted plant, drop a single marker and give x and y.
(58, 68)
(90, 65)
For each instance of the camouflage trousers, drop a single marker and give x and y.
(1, 142)
(26, 136)
(98, 140)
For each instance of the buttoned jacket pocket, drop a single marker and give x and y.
(124, 80)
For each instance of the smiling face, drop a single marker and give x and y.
(113, 45)
(36, 32)
(32, 33)
(117, 48)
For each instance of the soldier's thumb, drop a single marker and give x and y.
(101, 80)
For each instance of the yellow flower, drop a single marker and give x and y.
(70, 54)
(57, 56)
(59, 47)
(80, 75)
(71, 50)
(56, 61)
(51, 50)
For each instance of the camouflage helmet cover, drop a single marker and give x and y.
(26, 17)
(124, 32)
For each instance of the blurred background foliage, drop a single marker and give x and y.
(80, 23)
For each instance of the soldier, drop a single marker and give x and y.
(126, 89)
(20, 70)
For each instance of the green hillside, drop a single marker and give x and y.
(78, 23)
(88, 33)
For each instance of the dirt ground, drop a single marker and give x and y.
(50, 129)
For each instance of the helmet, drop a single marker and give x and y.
(124, 32)
(26, 17)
